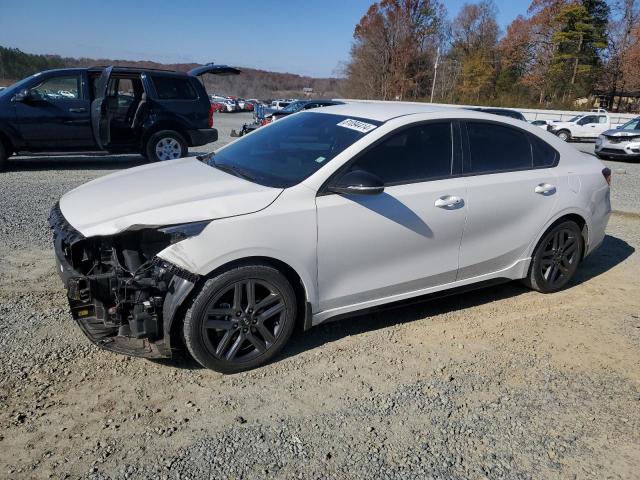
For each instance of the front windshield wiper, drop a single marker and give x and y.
(233, 170)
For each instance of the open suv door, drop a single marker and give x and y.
(99, 111)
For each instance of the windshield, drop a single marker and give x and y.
(19, 85)
(288, 151)
(631, 125)
(573, 119)
(293, 107)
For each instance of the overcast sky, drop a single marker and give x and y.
(308, 37)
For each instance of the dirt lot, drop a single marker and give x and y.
(500, 383)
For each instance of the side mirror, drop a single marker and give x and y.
(26, 95)
(357, 182)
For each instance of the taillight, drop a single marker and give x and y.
(211, 110)
(606, 173)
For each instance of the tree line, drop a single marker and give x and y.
(559, 54)
(251, 83)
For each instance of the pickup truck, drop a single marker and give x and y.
(156, 113)
(586, 126)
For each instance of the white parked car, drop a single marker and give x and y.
(582, 127)
(324, 213)
(541, 123)
(622, 143)
(279, 104)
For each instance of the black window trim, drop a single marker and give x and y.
(460, 155)
(528, 135)
(456, 160)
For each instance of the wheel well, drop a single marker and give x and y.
(290, 274)
(171, 127)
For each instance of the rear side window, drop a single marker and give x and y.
(416, 154)
(174, 88)
(496, 148)
(543, 154)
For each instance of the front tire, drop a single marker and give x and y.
(240, 319)
(165, 145)
(564, 135)
(556, 258)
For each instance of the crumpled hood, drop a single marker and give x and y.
(164, 193)
(616, 132)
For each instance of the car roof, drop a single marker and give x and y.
(382, 111)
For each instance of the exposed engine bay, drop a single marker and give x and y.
(119, 292)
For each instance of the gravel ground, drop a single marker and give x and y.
(499, 383)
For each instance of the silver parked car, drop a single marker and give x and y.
(323, 213)
(620, 143)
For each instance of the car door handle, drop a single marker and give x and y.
(449, 202)
(545, 189)
(78, 110)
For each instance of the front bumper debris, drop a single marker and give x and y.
(118, 311)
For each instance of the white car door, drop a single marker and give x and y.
(510, 195)
(404, 239)
(587, 127)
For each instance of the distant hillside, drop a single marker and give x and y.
(251, 83)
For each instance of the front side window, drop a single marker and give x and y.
(496, 148)
(588, 119)
(59, 88)
(288, 151)
(173, 88)
(419, 153)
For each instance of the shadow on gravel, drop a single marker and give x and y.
(612, 252)
(75, 162)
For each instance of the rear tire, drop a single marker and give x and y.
(556, 258)
(165, 145)
(240, 319)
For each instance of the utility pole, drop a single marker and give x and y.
(435, 73)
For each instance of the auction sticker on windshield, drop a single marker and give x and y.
(357, 125)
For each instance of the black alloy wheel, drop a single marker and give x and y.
(556, 258)
(240, 319)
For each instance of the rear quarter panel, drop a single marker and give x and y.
(583, 191)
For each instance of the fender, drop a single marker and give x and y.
(10, 134)
(558, 215)
(307, 277)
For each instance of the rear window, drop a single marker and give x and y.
(174, 88)
(494, 148)
(544, 155)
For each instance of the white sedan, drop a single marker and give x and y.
(324, 213)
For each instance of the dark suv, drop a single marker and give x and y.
(157, 113)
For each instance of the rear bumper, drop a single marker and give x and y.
(202, 136)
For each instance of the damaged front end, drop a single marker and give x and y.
(123, 297)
